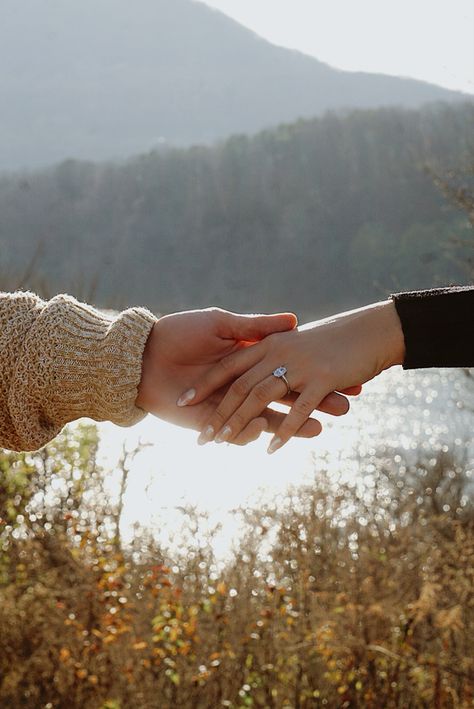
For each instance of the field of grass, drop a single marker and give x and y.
(335, 597)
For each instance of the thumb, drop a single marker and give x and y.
(252, 328)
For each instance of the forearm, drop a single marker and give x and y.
(377, 330)
(62, 360)
(417, 329)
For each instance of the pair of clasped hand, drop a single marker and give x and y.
(213, 371)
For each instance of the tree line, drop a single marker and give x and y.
(313, 216)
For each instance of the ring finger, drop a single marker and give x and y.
(263, 393)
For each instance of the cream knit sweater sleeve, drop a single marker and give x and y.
(61, 360)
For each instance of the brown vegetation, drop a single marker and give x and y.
(336, 597)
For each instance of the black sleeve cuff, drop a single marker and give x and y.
(438, 326)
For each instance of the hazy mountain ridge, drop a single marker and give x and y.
(314, 216)
(97, 80)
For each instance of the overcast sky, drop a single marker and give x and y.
(424, 39)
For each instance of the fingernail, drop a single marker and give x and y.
(206, 436)
(223, 435)
(274, 445)
(185, 398)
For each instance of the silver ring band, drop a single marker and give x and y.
(280, 373)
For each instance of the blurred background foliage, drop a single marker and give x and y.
(339, 594)
(314, 216)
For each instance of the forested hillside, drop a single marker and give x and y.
(313, 216)
(104, 80)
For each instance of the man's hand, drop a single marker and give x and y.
(184, 346)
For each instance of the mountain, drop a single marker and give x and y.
(316, 216)
(100, 79)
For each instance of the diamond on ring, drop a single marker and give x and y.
(280, 372)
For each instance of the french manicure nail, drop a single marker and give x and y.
(223, 435)
(274, 445)
(206, 436)
(185, 398)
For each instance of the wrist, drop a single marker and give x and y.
(393, 338)
(143, 400)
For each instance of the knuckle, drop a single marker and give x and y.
(220, 416)
(238, 421)
(227, 365)
(240, 388)
(213, 310)
(303, 407)
(261, 393)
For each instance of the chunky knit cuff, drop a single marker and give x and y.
(77, 362)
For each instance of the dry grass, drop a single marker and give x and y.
(334, 598)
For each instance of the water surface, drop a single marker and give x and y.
(408, 412)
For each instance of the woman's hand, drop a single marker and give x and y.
(337, 354)
(184, 347)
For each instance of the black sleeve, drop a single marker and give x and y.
(438, 326)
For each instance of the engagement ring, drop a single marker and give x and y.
(280, 373)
